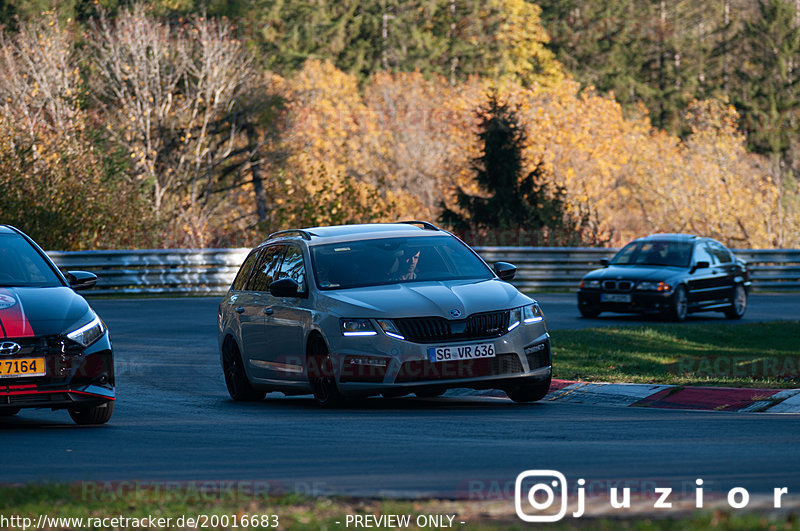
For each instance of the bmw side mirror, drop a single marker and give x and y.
(604, 262)
(79, 280)
(700, 265)
(284, 287)
(505, 270)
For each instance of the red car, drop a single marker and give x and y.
(55, 351)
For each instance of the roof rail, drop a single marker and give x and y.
(426, 225)
(302, 233)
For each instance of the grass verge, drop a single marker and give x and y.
(740, 355)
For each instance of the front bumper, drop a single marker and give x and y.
(74, 376)
(364, 366)
(640, 301)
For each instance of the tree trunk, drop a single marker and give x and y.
(257, 174)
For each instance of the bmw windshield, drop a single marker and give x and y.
(22, 266)
(654, 253)
(383, 261)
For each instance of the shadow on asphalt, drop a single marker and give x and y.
(622, 318)
(306, 404)
(23, 424)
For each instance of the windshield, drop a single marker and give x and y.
(394, 260)
(22, 266)
(655, 253)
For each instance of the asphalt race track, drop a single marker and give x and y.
(174, 422)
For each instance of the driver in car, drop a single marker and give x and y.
(405, 266)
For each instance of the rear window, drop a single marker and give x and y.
(395, 260)
(655, 253)
(22, 266)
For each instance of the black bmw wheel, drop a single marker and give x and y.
(236, 381)
(680, 305)
(320, 374)
(738, 303)
(88, 415)
(529, 392)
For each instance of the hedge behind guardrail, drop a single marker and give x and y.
(210, 271)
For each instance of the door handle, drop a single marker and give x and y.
(239, 309)
(269, 311)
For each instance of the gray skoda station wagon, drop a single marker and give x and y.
(391, 309)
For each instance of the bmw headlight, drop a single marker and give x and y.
(653, 286)
(589, 284)
(528, 314)
(88, 333)
(357, 327)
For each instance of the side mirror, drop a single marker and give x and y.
(284, 287)
(505, 270)
(700, 265)
(604, 262)
(79, 280)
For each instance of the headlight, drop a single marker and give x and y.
(528, 314)
(357, 327)
(589, 284)
(88, 333)
(653, 286)
(532, 314)
(390, 329)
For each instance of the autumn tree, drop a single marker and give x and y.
(41, 83)
(58, 181)
(173, 96)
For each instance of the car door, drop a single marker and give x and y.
(251, 308)
(287, 320)
(701, 282)
(239, 297)
(727, 271)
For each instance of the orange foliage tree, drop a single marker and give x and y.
(400, 144)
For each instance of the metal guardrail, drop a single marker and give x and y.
(211, 271)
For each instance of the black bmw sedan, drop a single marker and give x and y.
(672, 274)
(54, 350)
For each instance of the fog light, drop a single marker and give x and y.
(375, 362)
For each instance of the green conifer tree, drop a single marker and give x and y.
(766, 87)
(511, 201)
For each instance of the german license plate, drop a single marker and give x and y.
(461, 352)
(615, 297)
(22, 367)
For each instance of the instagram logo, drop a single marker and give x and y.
(535, 492)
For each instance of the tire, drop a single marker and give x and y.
(394, 394)
(9, 412)
(92, 415)
(320, 375)
(680, 305)
(738, 303)
(236, 381)
(433, 392)
(529, 392)
(589, 312)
